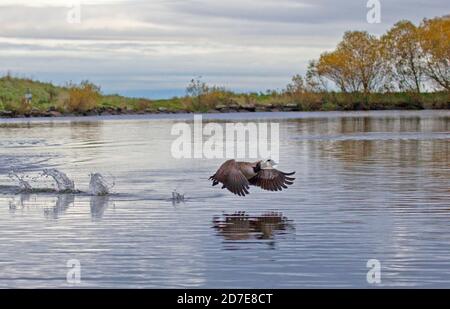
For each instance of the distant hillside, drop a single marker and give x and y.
(12, 91)
(46, 97)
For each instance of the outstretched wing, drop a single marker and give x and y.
(272, 179)
(232, 178)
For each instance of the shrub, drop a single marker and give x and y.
(142, 105)
(81, 98)
(329, 106)
(201, 97)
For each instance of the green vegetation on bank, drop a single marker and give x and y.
(406, 68)
(86, 98)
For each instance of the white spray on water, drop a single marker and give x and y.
(98, 185)
(64, 183)
(177, 197)
(23, 184)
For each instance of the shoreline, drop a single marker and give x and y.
(111, 111)
(240, 116)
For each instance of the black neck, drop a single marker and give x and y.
(257, 168)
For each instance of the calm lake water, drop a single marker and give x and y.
(370, 185)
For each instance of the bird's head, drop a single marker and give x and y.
(269, 163)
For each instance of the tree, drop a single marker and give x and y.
(315, 82)
(201, 96)
(435, 41)
(197, 88)
(297, 85)
(356, 64)
(335, 67)
(312, 82)
(305, 91)
(404, 55)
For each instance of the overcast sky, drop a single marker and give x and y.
(153, 48)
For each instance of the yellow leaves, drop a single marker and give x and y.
(81, 98)
(435, 41)
(400, 59)
(403, 55)
(353, 64)
(334, 66)
(435, 37)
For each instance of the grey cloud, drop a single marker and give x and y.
(154, 45)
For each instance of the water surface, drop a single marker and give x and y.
(370, 185)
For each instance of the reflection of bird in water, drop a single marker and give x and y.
(240, 226)
(238, 176)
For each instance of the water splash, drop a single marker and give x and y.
(98, 185)
(23, 184)
(64, 183)
(177, 197)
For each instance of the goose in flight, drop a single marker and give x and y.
(238, 176)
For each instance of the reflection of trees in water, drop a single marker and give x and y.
(390, 148)
(396, 154)
(241, 226)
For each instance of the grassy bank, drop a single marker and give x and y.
(86, 98)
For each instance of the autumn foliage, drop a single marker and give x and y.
(406, 68)
(82, 97)
(406, 58)
(434, 36)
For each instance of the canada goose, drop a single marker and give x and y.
(238, 176)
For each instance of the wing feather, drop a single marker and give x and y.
(231, 178)
(272, 179)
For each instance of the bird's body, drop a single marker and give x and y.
(249, 170)
(238, 176)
